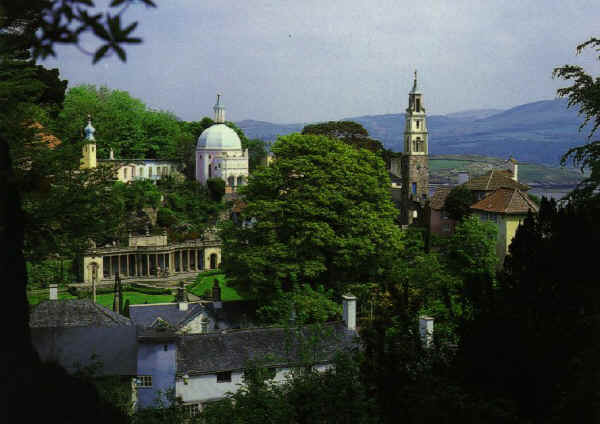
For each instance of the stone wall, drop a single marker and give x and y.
(415, 170)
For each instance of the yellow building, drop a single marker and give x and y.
(126, 170)
(507, 208)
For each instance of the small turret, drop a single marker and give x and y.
(89, 147)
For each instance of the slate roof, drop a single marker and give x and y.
(507, 201)
(214, 352)
(232, 314)
(494, 180)
(145, 315)
(75, 313)
(439, 198)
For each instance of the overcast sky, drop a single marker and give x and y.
(314, 60)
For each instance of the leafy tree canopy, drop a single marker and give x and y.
(458, 203)
(320, 214)
(584, 94)
(122, 123)
(349, 132)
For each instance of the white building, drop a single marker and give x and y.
(219, 153)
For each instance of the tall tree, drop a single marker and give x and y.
(320, 214)
(585, 95)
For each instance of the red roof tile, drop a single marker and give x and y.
(506, 200)
(493, 180)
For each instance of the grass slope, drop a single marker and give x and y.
(205, 282)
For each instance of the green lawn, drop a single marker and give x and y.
(135, 298)
(205, 282)
(106, 299)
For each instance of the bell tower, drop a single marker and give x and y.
(89, 147)
(414, 162)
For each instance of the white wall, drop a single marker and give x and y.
(202, 388)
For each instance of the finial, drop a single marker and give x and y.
(89, 129)
(415, 82)
(219, 111)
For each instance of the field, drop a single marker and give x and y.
(444, 169)
(205, 282)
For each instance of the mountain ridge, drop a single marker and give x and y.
(538, 132)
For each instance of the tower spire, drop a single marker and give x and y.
(89, 129)
(219, 111)
(414, 89)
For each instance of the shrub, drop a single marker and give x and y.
(216, 188)
(166, 217)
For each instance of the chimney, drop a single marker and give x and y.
(181, 298)
(349, 314)
(111, 154)
(216, 294)
(513, 166)
(53, 292)
(463, 177)
(426, 330)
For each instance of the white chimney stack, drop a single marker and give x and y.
(514, 168)
(53, 292)
(349, 314)
(183, 306)
(111, 154)
(426, 330)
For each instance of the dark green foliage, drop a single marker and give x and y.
(216, 188)
(349, 132)
(458, 203)
(166, 217)
(585, 95)
(353, 134)
(38, 24)
(323, 215)
(257, 151)
(302, 305)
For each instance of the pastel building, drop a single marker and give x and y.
(219, 153)
(126, 170)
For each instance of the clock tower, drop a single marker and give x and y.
(414, 162)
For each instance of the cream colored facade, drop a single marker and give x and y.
(151, 257)
(506, 225)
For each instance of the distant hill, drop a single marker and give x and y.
(538, 132)
(444, 169)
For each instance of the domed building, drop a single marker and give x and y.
(219, 153)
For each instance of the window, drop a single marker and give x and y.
(224, 377)
(446, 228)
(125, 173)
(418, 104)
(149, 172)
(141, 172)
(191, 410)
(414, 188)
(144, 381)
(418, 124)
(133, 171)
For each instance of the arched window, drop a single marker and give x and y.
(240, 180)
(418, 145)
(231, 181)
(213, 261)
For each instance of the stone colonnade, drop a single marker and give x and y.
(157, 264)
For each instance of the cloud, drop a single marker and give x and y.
(300, 61)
